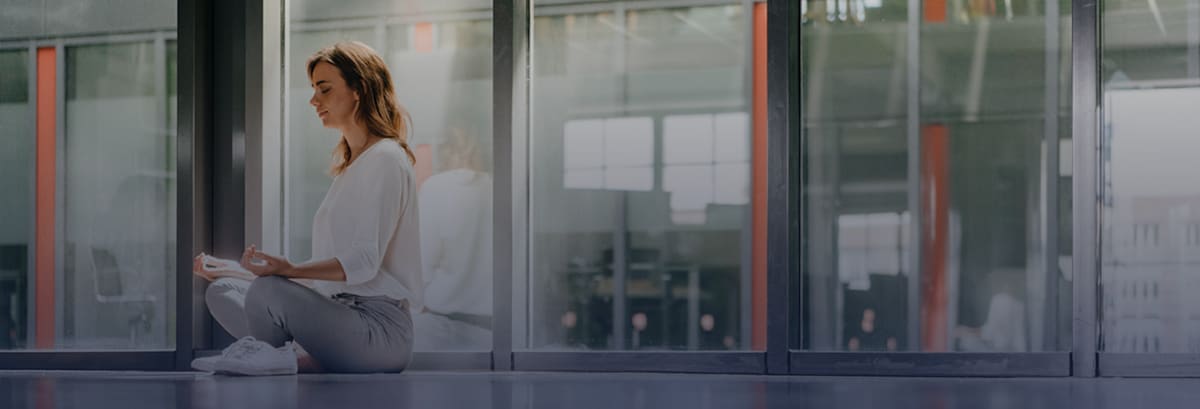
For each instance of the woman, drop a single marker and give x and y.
(365, 273)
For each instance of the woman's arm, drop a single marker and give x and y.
(325, 270)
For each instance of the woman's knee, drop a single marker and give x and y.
(264, 290)
(225, 289)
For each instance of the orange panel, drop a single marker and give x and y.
(758, 281)
(935, 208)
(47, 69)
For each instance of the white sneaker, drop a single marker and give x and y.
(249, 356)
(209, 363)
(206, 364)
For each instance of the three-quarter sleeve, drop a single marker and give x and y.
(367, 217)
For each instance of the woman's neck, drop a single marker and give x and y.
(358, 139)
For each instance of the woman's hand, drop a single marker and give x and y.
(199, 270)
(270, 266)
(211, 268)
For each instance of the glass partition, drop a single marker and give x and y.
(639, 178)
(439, 55)
(1150, 207)
(931, 140)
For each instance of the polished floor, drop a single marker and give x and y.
(136, 390)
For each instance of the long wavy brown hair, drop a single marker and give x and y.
(365, 72)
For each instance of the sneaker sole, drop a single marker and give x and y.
(241, 368)
(203, 365)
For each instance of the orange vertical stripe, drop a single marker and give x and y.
(935, 11)
(47, 69)
(758, 280)
(423, 37)
(935, 208)
(424, 166)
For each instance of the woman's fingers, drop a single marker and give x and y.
(246, 259)
(271, 260)
(199, 270)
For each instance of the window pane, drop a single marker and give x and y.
(1150, 212)
(119, 198)
(439, 56)
(16, 204)
(87, 220)
(970, 271)
(639, 174)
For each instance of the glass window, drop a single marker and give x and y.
(16, 204)
(119, 197)
(1149, 210)
(927, 232)
(440, 58)
(87, 240)
(639, 178)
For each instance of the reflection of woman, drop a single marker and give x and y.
(365, 273)
(456, 237)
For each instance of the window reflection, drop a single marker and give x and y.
(639, 178)
(926, 192)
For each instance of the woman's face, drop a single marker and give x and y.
(332, 98)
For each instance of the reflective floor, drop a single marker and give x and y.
(133, 390)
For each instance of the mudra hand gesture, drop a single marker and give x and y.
(212, 268)
(263, 264)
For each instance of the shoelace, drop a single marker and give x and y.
(245, 347)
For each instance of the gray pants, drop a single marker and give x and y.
(346, 333)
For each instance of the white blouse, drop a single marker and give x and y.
(369, 222)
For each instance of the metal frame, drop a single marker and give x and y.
(932, 364)
(88, 360)
(193, 149)
(746, 281)
(1085, 213)
(625, 361)
(915, 212)
(451, 361)
(60, 194)
(784, 170)
(1148, 364)
(91, 39)
(1050, 176)
(510, 65)
(31, 253)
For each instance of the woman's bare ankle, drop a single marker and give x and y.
(306, 364)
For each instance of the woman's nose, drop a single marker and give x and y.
(313, 101)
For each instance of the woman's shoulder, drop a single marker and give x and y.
(386, 152)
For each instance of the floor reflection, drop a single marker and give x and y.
(44, 390)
